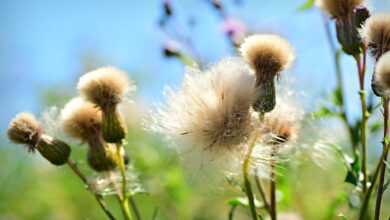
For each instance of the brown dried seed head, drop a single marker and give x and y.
(376, 34)
(267, 53)
(104, 87)
(24, 129)
(81, 119)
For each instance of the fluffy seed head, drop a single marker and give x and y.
(105, 86)
(381, 80)
(268, 54)
(339, 8)
(281, 126)
(81, 119)
(24, 129)
(211, 109)
(376, 34)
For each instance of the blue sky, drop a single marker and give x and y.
(42, 43)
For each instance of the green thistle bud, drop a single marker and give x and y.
(266, 97)
(55, 151)
(101, 156)
(113, 126)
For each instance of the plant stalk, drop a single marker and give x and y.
(262, 193)
(247, 184)
(361, 65)
(73, 166)
(383, 160)
(273, 189)
(123, 199)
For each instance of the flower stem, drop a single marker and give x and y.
(273, 189)
(336, 54)
(378, 169)
(99, 199)
(384, 159)
(262, 193)
(123, 199)
(361, 65)
(231, 212)
(247, 184)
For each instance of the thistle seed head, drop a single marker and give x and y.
(104, 87)
(376, 34)
(211, 110)
(25, 129)
(102, 158)
(267, 54)
(81, 119)
(381, 78)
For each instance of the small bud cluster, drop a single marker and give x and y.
(92, 118)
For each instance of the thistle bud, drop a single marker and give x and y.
(54, 150)
(101, 156)
(381, 78)
(25, 129)
(349, 16)
(268, 55)
(347, 31)
(105, 87)
(113, 126)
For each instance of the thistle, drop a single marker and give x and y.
(25, 129)
(211, 110)
(83, 121)
(376, 34)
(268, 55)
(349, 16)
(106, 87)
(381, 78)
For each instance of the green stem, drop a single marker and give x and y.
(262, 193)
(383, 160)
(231, 212)
(99, 199)
(123, 199)
(247, 184)
(336, 54)
(273, 189)
(361, 65)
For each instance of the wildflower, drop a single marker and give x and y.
(349, 16)
(211, 110)
(106, 87)
(234, 29)
(25, 129)
(376, 34)
(268, 55)
(83, 121)
(381, 78)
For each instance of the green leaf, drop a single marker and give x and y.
(306, 5)
(243, 201)
(323, 112)
(336, 97)
(375, 127)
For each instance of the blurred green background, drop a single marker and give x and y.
(46, 45)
